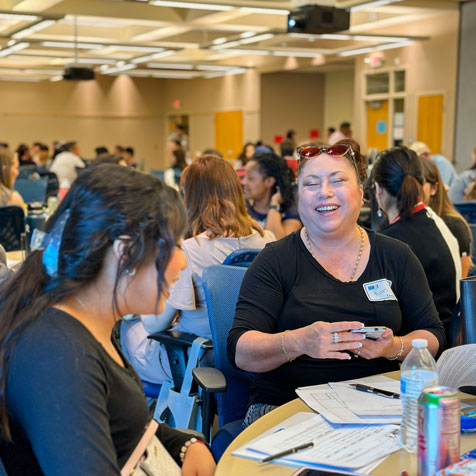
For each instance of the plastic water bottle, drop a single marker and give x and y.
(418, 371)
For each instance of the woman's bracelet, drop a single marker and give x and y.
(400, 352)
(283, 348)
(187, 445)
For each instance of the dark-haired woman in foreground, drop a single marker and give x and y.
(69, 402)
(398, 176)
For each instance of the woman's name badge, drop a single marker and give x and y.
(379, 290)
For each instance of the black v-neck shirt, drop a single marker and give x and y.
(73, 409)
(286, 288)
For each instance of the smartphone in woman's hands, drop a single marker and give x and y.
(372, 332)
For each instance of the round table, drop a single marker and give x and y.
(393, 464)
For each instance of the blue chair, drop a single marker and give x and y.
(467, 210)
(243, 257)
(32, 190)
(12, 227)
(229, 386)
(158, 173)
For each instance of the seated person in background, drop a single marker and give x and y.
(108, 159)
(344, 132)
(66, 164)
(460, 186)
(470, 193)
(219, 225)
(70, 402)
(447, 171)
(398, 177)
(8, 175)
(436, 196)
(268, 187)
(303, 295)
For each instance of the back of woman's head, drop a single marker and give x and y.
(179, 157)
(6, 162)
(214, 199)
(105, 203)
(399, 171)
(272, 165)
(433, 178)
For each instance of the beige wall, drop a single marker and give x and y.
(201, 98)
(106, 111)
(338, 98)
(291, 101)
(431, 68)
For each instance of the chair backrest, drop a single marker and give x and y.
(467, 210)
(26, 171)
(157, 173)
(242, 257)
(52, 187)
(468, 310)
(472, 226)
(222, 285)
(32, 190)
(12, 226)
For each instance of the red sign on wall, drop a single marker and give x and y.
(314, 133)
(278, 139)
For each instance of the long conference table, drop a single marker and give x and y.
(392, 466)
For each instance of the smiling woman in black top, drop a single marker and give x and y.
(69, 401)
(302, 295)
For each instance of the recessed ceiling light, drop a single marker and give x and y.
(376, 3)
(192, 5)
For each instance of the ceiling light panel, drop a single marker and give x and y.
(33, 29)
(67, 44)
(196, 6)
(12, 49)
(374, 4)
(265, 11)
(169, 66)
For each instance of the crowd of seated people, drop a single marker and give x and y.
(123, 256)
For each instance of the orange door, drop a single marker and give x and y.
(430, 121)
(229, 133)
(377, 124)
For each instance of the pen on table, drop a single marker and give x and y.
(378, 391)
(290, 451)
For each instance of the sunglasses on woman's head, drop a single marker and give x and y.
(311, 151)
(306, 152)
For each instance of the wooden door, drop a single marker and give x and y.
(229, 133)
(377, 124)
(430, 121)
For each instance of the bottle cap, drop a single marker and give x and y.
(419, 343)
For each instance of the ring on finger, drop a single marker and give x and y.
(335, 337)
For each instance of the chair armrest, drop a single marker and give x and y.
(211, 380)
(176, 338)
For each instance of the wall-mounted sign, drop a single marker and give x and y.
(314, 133)
(381, 127)
(278, 139)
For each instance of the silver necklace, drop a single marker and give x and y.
(357, 261)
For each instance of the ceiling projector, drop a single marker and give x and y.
(317, 19)
(78, 73)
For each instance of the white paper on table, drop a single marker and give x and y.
(370, 404)
(457, 366)
(324, 400)
(296, 419)
(339, 446)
